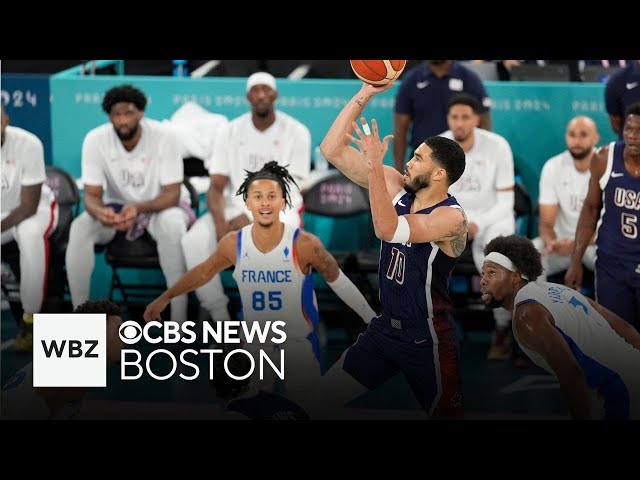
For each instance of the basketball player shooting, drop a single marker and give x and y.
(423, 231)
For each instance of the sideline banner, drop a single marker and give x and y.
(26, 98)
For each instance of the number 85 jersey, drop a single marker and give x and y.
(272, 286)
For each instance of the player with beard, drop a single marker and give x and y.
(587, 347)
(563, 186)
(138, 164)
(423, 231)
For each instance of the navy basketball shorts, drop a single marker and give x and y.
(432, 368)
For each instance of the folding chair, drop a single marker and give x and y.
(66, 194)
(337, 211)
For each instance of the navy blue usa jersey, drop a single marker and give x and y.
(414, 277)
(619, 220)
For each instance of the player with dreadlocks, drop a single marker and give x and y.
(273, 265)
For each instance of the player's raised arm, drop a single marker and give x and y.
(222, 258)
(335, 145)
(312, 252)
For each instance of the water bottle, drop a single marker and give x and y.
(320, 163)
(180, 68)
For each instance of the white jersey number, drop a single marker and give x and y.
(629, 225)
(396, 266)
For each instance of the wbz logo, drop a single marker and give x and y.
(69, 350)
(74, 348)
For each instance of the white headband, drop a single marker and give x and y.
(503, 261)
(261, 78)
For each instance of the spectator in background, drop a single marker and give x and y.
(422, 101)
(29, 215)
(622, 89)
(563, 186)
(246, 143)
(485, 191)
(138, 163)
(611, 206)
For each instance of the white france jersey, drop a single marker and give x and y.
(136, 175)
(22, 164)
(604, 356)
(272, 286)
(240, 146)
(489, 167)
(563, 185)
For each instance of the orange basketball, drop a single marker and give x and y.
(378, 72)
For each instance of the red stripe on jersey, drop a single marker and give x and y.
(47, 252)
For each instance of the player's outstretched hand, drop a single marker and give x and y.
(368, 141)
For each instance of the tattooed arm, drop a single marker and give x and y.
(313, 254)
(457, 237)
(446, 226)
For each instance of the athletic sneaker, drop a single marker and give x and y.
(24, 338)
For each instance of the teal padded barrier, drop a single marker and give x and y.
(26, 100)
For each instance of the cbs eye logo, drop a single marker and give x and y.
(130, 332)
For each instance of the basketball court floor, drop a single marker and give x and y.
(493, 389)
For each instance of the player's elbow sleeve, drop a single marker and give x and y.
(401, 234)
